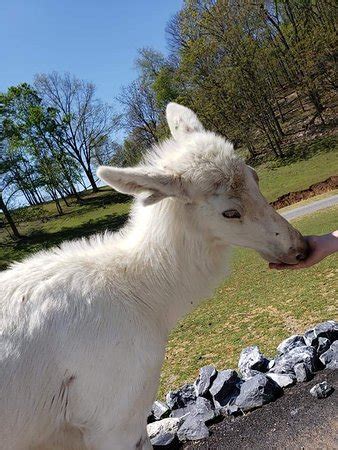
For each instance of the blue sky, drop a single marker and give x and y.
(94, 40)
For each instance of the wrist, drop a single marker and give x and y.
(330, 243)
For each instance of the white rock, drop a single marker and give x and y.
(252, 359)
(164, 426)
(271, 364)
(321, 390)
(291, 342)
(283, 380)
(330, 357)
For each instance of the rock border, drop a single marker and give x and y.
(188, 411)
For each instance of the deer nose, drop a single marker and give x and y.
(303, 252)
(300, 257)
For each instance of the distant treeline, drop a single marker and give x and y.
(233, 62)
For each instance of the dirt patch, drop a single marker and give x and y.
(315, 189)
(295, 421)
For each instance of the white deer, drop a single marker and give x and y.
(84, 327)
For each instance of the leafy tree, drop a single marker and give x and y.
(165, 86)
(83, 119)
(8, 217)
(4, 183)
(234, 61)
(35, 160)
(149, 63)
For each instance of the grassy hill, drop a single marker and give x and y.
(301, 169)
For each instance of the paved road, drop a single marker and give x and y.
(311, 207)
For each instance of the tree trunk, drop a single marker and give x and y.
(91, 179)
(266, 132)
(70, 183)
(55, 199)
(58, 206)
(63, 197)
(27, 197)
(251, 149)
(9, 218)
(75, 193)
(34, 196)
(316, 101)
(280, 110)
(300, 101)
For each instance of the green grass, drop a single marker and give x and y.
(254, 306)
(278, 180)
(44, 229)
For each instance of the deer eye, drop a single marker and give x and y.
(231, 214)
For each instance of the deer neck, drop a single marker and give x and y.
(181, 265)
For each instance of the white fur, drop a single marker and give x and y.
(84, 326)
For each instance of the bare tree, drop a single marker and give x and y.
(105, 150)
(84, 119)
(149, 62)
(141, 111)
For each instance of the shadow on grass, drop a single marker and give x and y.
(106, 199)
(41, 240)
(87, 203)
(304, 151)
(297, 152)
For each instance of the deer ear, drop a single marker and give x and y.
(254, 174)
(182, 121)
(138, 180)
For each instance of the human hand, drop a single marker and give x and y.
(319, 248)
